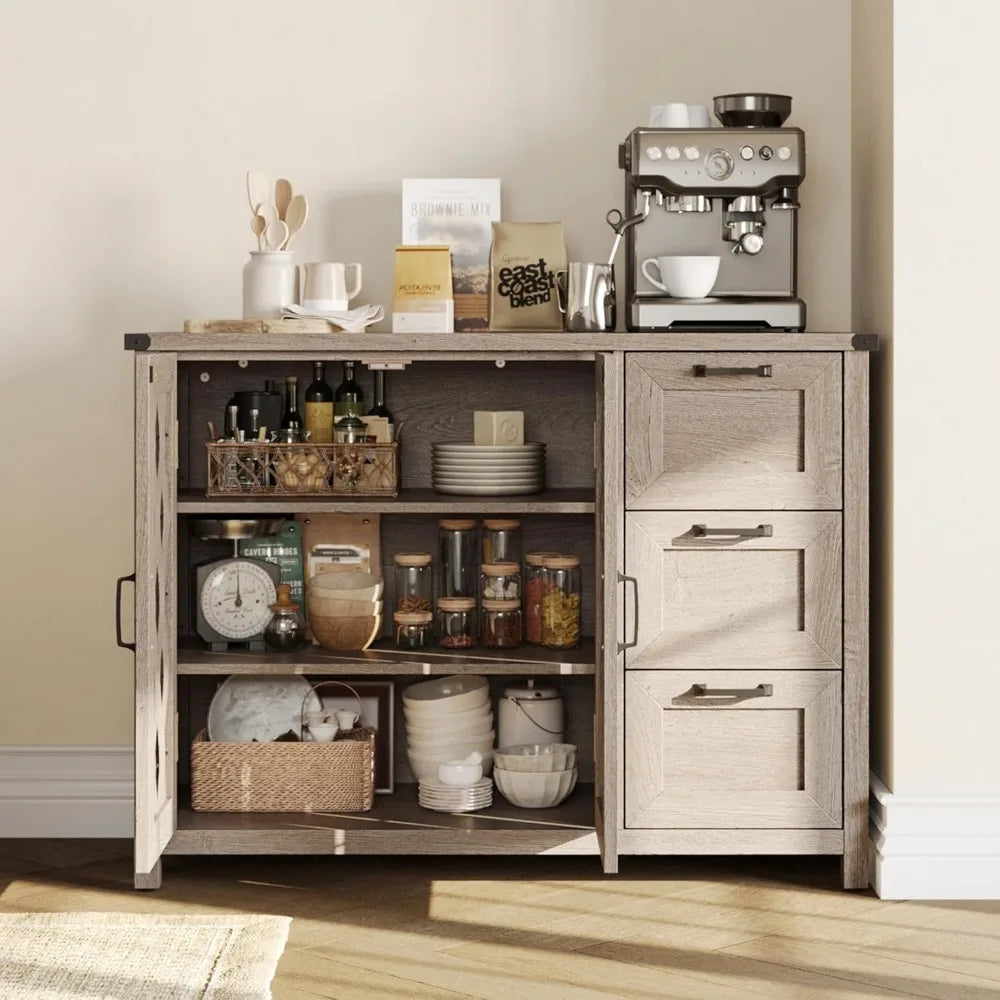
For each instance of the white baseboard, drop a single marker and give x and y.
(934, 846)
(76, 791)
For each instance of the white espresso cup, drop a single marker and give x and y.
(672, 115)
(324, 286)
(346, 720)
(325, 732)
(683, 277)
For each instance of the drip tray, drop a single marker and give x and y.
(664, 313)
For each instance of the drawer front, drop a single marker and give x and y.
(733, 749)
(769, 598)
(752, 430)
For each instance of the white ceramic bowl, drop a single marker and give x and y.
(689, 277)
(350, 586)
(537, 757)
(445, 730)
(435, 743)
(535, 789)
(457, 693)
(425, 767)
(441, 716)
(460, 774)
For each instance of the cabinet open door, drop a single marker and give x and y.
(609, 667)
(155, 612)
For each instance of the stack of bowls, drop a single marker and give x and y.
(345, 609)
(536, 776)
(446, 719)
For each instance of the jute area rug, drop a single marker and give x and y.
(118, 956)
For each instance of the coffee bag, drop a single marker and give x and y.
(524, 259)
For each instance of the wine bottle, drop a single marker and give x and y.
(349, 400)
(290, 419)
(380, 409)
(318, 406)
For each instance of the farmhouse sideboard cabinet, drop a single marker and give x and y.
(715, 486)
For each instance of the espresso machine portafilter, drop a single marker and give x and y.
(730, 193)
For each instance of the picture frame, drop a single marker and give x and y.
(377, 709)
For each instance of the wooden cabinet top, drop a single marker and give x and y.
(216, 341)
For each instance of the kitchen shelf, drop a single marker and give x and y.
(383, 658)
(575, 500)
(395, 825)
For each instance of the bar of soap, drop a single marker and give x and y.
(498, 427)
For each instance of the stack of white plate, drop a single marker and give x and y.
(448, 798)
(488, 470)
(446, 719)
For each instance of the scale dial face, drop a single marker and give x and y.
(235, 598)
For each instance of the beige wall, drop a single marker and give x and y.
(127, 130)
(871, 260)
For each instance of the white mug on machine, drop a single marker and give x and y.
(325, 287)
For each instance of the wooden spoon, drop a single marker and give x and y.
(296, 215)
(282, 195)
(257, 226)
(258, 188)
(268, 211)
(276, 235)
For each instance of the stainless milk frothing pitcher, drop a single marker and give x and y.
(586, 294)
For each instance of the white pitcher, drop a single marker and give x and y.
(324, 287)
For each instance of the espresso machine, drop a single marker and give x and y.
(730, 193)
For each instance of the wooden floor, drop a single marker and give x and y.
(548, 928)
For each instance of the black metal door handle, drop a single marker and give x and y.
(122, 580)
(704, 695)
(761, 371)
(761, 531)
(622, 646)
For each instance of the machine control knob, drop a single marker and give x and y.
(673, 153)
(784, 153)
(692, 152)
(746, 152)
(751, 243)
(653, 153)
(719, 164)
(766, 152)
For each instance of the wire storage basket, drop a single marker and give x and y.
(338, 776)
(285, 470)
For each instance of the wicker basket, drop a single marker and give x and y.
(285, 777)
(290, 470)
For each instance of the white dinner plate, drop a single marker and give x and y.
(487, 491)
(487, 478)
(497, 470)
(247, 708)
(468, 448)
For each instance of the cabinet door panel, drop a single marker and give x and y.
(732, 749)
(729, 601)
(155, 607)
(730, 437)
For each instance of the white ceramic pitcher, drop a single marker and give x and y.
(323, 286)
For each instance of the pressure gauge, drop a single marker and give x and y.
(719, 164)
(233, 599)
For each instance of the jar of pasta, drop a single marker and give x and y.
(561, 602)
(414, 580)
(501, 540)
(534, 591)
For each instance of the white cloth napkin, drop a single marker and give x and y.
(351, 321)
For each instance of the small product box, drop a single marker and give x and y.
(422, 300)
(492, 427)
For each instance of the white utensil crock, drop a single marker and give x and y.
(268, 284)
(530, 715)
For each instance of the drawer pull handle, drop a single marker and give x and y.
(122, 580)
(622, 646)
(761, 531)
(761, 371)
(703, 694)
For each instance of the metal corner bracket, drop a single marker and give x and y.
(136, 341)
(865, 341)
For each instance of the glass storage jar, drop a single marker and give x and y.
(561, 602)
(534, 590)
(501, 581)
(286, 630)
(414, 581)
(458, 557)
(501, 624)
(413, 629)
(501, 541)
(456, 622)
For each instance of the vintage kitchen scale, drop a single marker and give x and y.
(232, 595)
